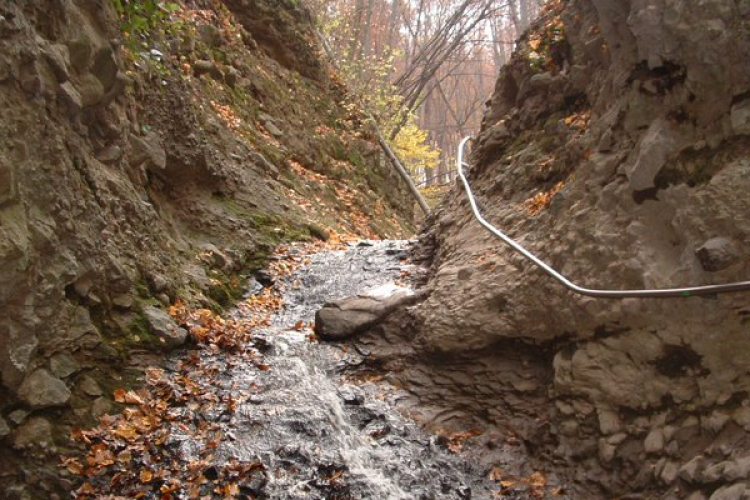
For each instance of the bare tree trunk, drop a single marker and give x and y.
(395, 9)
(524, 11)
(400, 169)
(498, 44)
(356, 40)
(367, 29)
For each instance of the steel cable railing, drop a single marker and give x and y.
(599, 293)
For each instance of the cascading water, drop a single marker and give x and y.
(317, 436)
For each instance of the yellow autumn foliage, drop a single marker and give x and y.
(412, 147)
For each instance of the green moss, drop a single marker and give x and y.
(226, 290)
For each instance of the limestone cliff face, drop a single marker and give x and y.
(615, 147)
(150, 155)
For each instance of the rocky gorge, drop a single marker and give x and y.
(156, 343)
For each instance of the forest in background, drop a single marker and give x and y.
(424, 68)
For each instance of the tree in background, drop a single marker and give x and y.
(423, 64)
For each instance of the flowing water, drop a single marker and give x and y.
(318, 436)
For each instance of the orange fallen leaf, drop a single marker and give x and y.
(146, 476)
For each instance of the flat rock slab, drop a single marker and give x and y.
(347, 317)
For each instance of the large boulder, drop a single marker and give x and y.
(347, 317)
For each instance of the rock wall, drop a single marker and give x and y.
(615, 147)
(149, 156)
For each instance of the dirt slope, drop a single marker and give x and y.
(150, 155)
(615, 147)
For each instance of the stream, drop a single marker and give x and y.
(317, 436)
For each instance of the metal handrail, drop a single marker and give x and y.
(606, 294)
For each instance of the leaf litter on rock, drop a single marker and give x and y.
(129, 455)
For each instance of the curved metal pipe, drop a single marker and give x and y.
(605, 294)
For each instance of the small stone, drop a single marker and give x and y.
(8, 190)
(124, 301)
(4, 428)
(6, 71)
(669, 472)
(742, 417)
(717, 254)
(660, 142)
(203, 67)
(105, 68)
(149, 150)
(158, 283)
(210, 35)
(31, 78)
(697, 495)
(568, 427)
(617, 438)
(110, 155)
(58, 59)
(19, 345)
(18, 416)
(606, 451)
(609, 421)
(80, 53)
(17, 492)
(740, 117)
(715, 422)
(351, 396)
(71, 98)
(691, 470)
(121, 83)
(90, 89)
(734, 492)
(231, 75)
(541, 80)
(654, 442)
(215, 258)
(270, 125)
(261, 161)
(42, 390)
(101, 406)
(83, 286)
(162, 325)
(35, 431)
(90, 387)
(63, 365)
(257, 483)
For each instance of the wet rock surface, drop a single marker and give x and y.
(344, 318)
(316, 435)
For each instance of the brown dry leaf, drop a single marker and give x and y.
(146, 476)
(102, 457)
(537, 479)
(126, 432)
(125, 456)
(507, 483)
(74, 466)
(496, 474)
(119, 395)
(131, 397)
